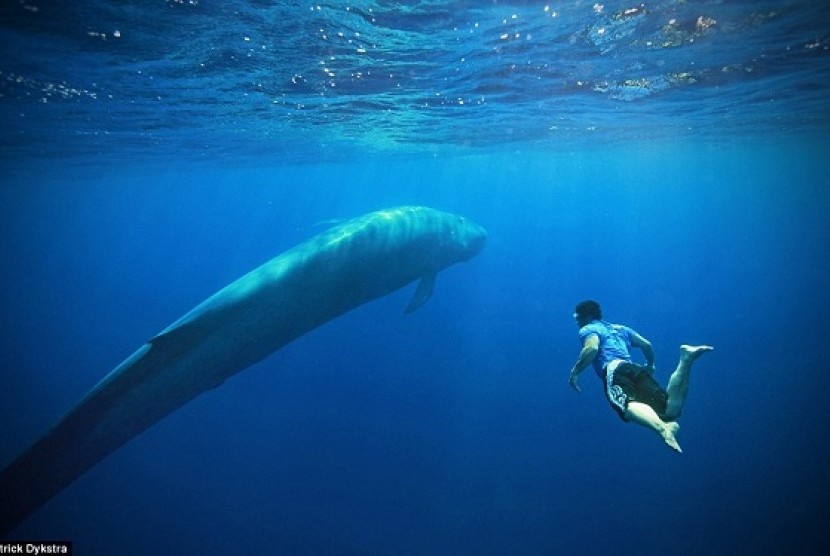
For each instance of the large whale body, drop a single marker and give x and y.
(310, 284)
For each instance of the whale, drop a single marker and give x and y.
(310, 284)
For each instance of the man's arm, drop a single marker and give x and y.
(590, 347)
(645, 347)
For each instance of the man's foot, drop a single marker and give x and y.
(669, 435)
(690, 353)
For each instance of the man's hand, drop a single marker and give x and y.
(573, 382)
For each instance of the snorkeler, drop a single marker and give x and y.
(630, 388)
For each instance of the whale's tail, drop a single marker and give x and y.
(97, 426)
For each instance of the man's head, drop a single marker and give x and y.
(587, 311)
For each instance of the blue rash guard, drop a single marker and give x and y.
(614, 343)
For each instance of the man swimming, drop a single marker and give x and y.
(630, 388)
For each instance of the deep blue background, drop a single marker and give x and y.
(451, 430)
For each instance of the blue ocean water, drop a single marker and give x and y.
(667, 159)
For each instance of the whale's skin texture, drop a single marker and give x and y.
(297, 291)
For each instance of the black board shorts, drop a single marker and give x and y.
(629, 382)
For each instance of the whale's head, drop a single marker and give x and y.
(430, 240)
(468, 238)
(446, 239)
(452, 239)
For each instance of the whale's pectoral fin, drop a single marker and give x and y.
(180, 339)
(177, 340)
(422, 293)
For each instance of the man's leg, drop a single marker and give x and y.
(679, 381)
(644, 415)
